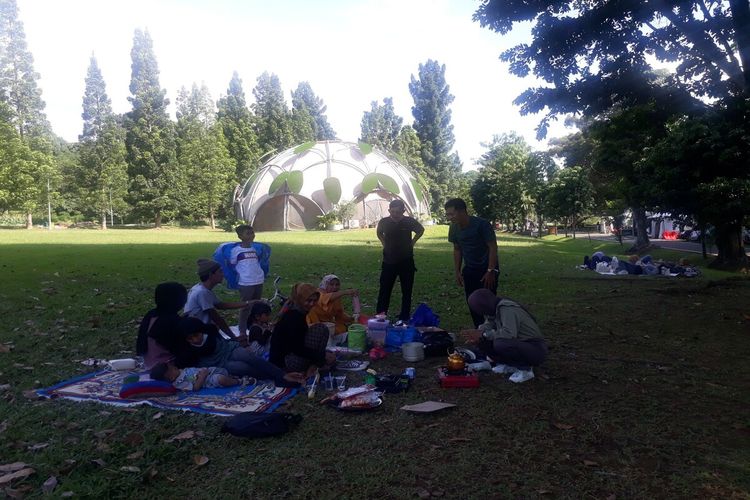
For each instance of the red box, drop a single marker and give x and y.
(468, 380)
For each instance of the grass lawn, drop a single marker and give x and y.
(645, 393)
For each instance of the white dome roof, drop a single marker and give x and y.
(305, 181)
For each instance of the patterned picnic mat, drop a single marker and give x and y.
(104, 387)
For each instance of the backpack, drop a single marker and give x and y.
(256, 425)
(437, 343)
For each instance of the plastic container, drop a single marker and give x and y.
(413, 351)
(397, 336)
(122, 364)
(378, 324)
(357, 337)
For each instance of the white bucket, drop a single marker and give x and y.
(413, 351)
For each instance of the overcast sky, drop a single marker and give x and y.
(351, 52)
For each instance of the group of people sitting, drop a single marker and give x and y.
(605, 264)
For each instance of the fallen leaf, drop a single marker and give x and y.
(67, 494)
(5, 348)
(181, 436)
(423, 493)
(38, 446)
(459, 440)
(99, 462)
(157, 416)
(562, 426)
(12, 467)
(133, 439)
(200, 460)
(7, 478)
(130, 468)
(590, 463)
(49, 485)
(104, 433)
(135, 455)
(31, 394)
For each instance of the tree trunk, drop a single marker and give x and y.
(573, 222)
(104, 219)
(29, 221)
(157, 220)
(540, 224)
(731, 254)
(639, 226)
(212, 218)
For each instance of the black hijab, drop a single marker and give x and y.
(169, 297)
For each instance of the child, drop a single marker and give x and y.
(192, 379)
(329, 308)
(259, 328)
(250, 261)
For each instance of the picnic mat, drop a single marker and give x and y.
(104, 387)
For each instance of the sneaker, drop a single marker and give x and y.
(502, 369)
(352, 365)
(521, 376)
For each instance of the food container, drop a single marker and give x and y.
(413, 351)
(122, 364)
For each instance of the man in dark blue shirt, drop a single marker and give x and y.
(395, 233)
(475, 244)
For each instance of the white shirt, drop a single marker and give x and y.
(245, 262)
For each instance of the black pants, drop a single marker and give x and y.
(404, 271)
(473, 281)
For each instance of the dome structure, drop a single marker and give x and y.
(296, 186)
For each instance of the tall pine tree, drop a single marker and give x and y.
(102, 177)
(274, 119)
(304, 97)
(432, 122)
(381, 125)
(24, 112)
(155, 182)
(203, 156)
(238, 125)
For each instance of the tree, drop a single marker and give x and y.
(432, 122)
(101, 179)
(381, 125)
(592, 56)
(238, 125)
(569, 195)
(203, 155)
(274, 119)
(24, 111)
(149, 139)
(305, 98)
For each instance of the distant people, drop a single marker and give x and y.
(329, 308)
(202, 302)
(398, 233)
(158, 334)
(510, 334)
(250, 261)
(474, 243)
(295, 347)
(193, 379)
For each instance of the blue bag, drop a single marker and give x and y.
(423, 316)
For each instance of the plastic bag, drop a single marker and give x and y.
(424, 316)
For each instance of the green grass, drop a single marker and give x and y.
(645, 392)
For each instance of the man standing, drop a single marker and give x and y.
(395, 233)
(475, 243)
(202, 302)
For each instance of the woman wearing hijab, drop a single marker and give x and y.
(158, 335)
(295, 347)
(509, 335)
(329, 309)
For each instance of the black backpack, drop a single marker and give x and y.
(257, 425)
(437, 343)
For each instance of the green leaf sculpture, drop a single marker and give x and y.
(293, 181)
(417, 189)
(304, 147)
(332, 189)
(369, 183)
(388, 184)
(365, 148)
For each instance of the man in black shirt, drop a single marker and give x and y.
(395, 233)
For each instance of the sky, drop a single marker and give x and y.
(351, 52)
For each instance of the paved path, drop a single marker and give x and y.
(680, 245)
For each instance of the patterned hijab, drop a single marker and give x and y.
(301, 292)
(327, 279)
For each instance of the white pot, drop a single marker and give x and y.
(413, 351)
(335, 227)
